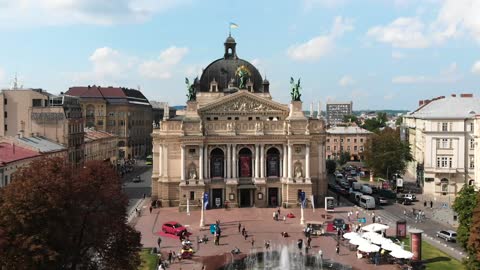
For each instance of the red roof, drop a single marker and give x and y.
(91, 135)
(96, 91)
(11, 153)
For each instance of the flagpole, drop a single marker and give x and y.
(202, 222)
(313, 203)
(302, 220)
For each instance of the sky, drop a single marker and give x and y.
(379, 54)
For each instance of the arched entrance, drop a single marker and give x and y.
(273, 162)
(216, 163)
(444, 186)
(245, 163)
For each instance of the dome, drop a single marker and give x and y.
(223, 72)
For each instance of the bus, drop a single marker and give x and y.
(149, 160)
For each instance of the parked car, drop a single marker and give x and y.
(317, 227)
(410, 196)
(137, 179)
(447, 235)
(357, 186)
(173, 227)
(366, 189)
(404, 201)
(367, 202)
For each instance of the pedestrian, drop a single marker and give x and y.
(239, 227)
(404, 212)
(267, 244)
(309, 241)
(300, 244)
(274, 214)
(320, 254)
(243, 231)
(144, 195)
(431, 205)
(356, 213)
(278, 211)
(159, 241)
(246, 235)
(337, 249)
(174, 256)
(253, 242)
(151, 208)
(425, 204)
(373, 217)
(284, 219)
(170, 254)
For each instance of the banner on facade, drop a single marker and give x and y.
(245, 170)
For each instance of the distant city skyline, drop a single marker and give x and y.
(378, 54)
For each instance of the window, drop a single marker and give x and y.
(100, 122)
(6, 127)
(472, 143)
(328, 140)
(5, 101)
(472, 126)
(334, 148)
(208, 119)
(257, 118)
(36, 103)
(361, 148)
(348, 148)
(250, 118)
(192, 195)
(348, 140)
(444, 183)
(341, 140)
(341, 148)
(5, 114)
(237, 118)
(334, 140)
(328, 147)
(444, 126)
(361, 140)
(355, 148)
(354, 140)
(111, 114)
(111, 122)
(191, 151)
(444, 143)
(215, 118)
(472, 162)
(5, 183)
(444, 162)
(229, 118)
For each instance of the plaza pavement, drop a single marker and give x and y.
(258, 223)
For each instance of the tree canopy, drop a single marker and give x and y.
(474, 238)
(54, 216)
(331, 166)
(386, 154)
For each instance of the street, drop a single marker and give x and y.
(136, 191)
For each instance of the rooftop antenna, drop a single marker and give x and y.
(15, 82)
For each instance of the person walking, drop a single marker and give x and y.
(425, 204)
(253, 242)
(170, 254)
(373, 217)
(246, 235)
(159, 241)
(151, 208)
(320, 254)
(431, 204)
(356, 214)
(337, 249)
(274, 214)
(239, 227)
(309, 241)
(243, 231)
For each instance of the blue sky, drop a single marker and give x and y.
(380, 54)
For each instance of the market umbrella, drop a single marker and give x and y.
(390, 246)
(371, 235)
(401, 254)
(375, 227)
(380, 240)
(358, 241)
(368, 248)
(350, 235)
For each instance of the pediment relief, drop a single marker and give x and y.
(245, 104)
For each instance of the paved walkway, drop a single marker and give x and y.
(260, 226)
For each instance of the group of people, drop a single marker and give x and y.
(242, 230)
(125, 166)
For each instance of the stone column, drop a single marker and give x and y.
(262, 161)
(229, 161)
(165, 160)
(307, 162)
(285, 162)
(182, 162)
(289, 166)
(200, 162)
(234, 161)
(206, 162)
(160, 162)
(257, 161)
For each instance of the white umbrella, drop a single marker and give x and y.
(358, 241)
(350, 235)
(401, 254)
(375, 227)
(390, 246)
(371, 235)
(380, 240)
(368, 248)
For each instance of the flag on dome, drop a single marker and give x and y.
(233, 25)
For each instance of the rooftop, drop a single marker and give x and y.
(110, 94)
(452, 107)
(10, 153)
(347, 130)
(91, 134)
(42, 144)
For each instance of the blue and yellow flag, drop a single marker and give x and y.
(233, 25)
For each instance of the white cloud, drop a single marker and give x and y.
(402, 33)
(346, 81)
(389, 96)
(162, 68)
(321, 45)
(458, 17)
(308, 5)
(101, 12)
(108, 62)
(448, 75)
(476, 68)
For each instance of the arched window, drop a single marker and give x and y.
(471, 182)
(273, 162)
(245, 162)
(444, 185)
(216, 163)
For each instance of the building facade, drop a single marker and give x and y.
(350, 139)
(237, 144)
(120, 111)
(336, 111)
(441, 137)
(100, 145)
(12, 158)
(34, 112)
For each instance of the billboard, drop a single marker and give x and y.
(329, 204)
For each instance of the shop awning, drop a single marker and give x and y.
(246, 187)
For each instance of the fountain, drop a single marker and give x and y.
(284, 257)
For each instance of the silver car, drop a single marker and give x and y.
(447, 235)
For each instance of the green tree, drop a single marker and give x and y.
(473, 247)
(463, 205)
(344, 158)
(350, 118)
(331, 166)
(399, 121)
(386, 154)
(54, 216)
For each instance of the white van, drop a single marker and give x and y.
(367, 202)
(357, 195)
(366, 189)
(356, 186)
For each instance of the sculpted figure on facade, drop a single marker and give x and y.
(298, 170)
(307, 128)
(192, 174)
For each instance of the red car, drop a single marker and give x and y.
(173, 227)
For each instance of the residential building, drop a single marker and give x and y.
(350, 139)
(100, 145)
(336, 112)
(441, 137)
(12, 158)
(120, 111)
(158, 109)
(34, 112)
(237, 144)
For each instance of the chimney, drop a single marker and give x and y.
(420, 103)
(466, 95)
(453, 95)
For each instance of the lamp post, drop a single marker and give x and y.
(202, 222)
